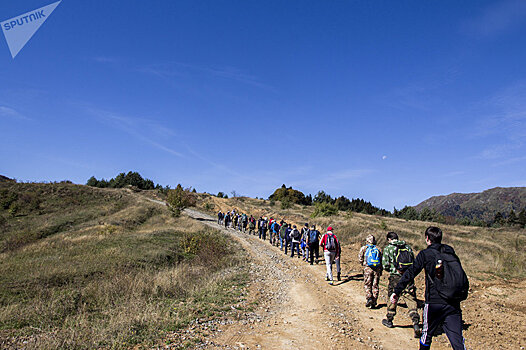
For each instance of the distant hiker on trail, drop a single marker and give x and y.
(226, 219)
(295, 237)
(236, 219)
(397, 258)
(251, 225)
(446, 286)
(288, 240)
(304, 242)
(314, 244)
(263, 225)
(271, 230)
(220, 216)
(370, 258)
(275, 233)
(331, 251)
(282, 234)
(337, 260)
(244, 221)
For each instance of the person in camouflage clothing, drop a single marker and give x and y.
(393, 266)
(371, 273)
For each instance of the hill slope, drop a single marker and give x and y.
(89, 268)
(482, 205)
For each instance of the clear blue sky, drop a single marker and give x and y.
(390, 101)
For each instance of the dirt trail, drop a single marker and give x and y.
(298, 309)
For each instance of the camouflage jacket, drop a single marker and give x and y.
(388, 258)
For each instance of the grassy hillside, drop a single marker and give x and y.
(484, 251)
(84, 267)
(482, 205)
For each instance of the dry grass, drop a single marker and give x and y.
(483, 251)
(120, 272)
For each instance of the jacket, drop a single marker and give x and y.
(426, 260)
(389, 259)
(323, 243)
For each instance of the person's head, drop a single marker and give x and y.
(370, 240)
(392, 236)
(329, 229)
(288, 225)
(306, 224)
(313, 227)
(433, 235)
(294, 226)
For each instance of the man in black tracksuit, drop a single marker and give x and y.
(437, 310)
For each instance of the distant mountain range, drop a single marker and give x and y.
(482, 205)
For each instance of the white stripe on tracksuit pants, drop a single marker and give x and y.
(451, 319)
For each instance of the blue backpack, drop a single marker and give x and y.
(372, 256)
(313, 236)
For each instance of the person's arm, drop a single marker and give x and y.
(410, 274)
(361, 255)
(386, 263)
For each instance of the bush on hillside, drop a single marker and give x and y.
(178, 199)
(324, 209)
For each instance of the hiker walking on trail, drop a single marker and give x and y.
(331, 250)
(263, 225)
(314, 244)
(220, 218)
(446, 286)
(275, 233)
(244, 222)
(397, 258)
(282, 234)
(295, 237)
(304, 242)
(226, 219)
(370, 258)
(251, 225)
(271, 230)
(287, 237)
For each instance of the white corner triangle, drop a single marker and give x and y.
(18, 30)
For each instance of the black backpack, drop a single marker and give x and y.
(404, 258)
(454, 284)
(296, 235)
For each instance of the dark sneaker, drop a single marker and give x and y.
(327, 278)
(387, 323)
(339, 277)
(373, 305)
(418, 332)
(369, 303)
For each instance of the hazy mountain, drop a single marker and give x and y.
(482, 205)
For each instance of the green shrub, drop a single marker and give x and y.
(286, 204)
(178, 199)
(324, 209)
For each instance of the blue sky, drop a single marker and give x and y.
(390, 101)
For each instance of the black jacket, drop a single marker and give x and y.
(426, 260)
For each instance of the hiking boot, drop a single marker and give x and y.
(327, 278)
(418, 331)
(373, 305)
(369, 302)
(339, 277)
(331, 283)
(388, 323)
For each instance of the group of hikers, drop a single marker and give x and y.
(446, 283)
